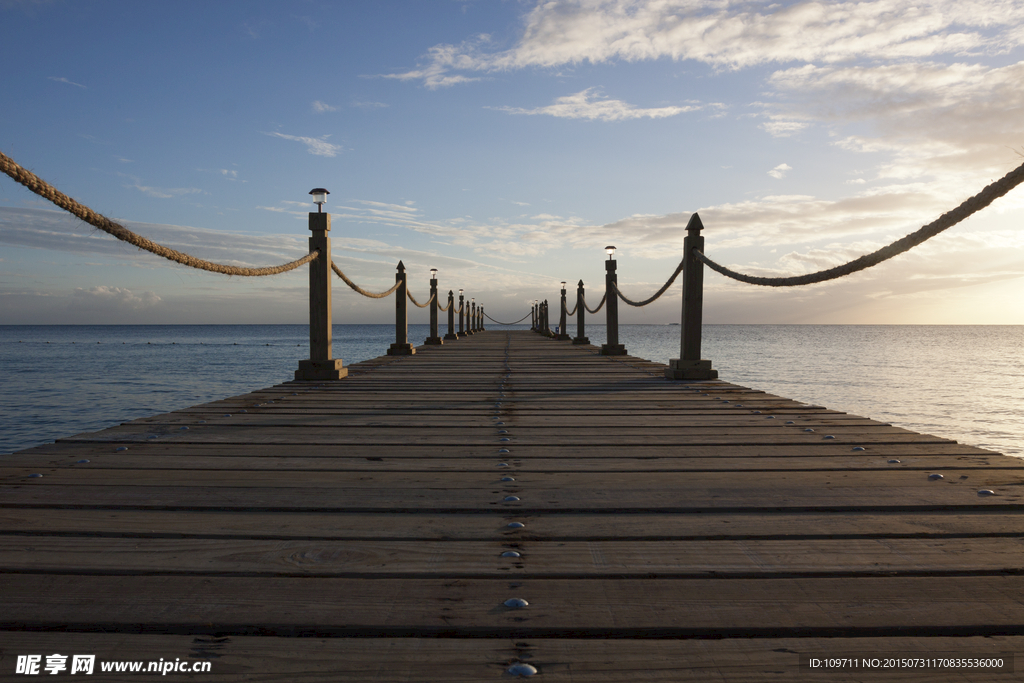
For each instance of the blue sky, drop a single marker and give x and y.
(506, 143)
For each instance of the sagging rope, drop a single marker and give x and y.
(595, 310)
(357, 288)
(416, 303)
(498, 322)
(654, 298)
(943, 222)
(52, 194)
(571, 313)
(445, 309)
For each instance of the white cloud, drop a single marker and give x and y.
(64, 80)
(317, 146)
(104, 298)
(321, 107)
(165, 192)
(587, 104)
(779, 172)
(733, 35)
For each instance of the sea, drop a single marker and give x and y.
(959, 382)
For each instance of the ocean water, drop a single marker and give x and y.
(960, 382)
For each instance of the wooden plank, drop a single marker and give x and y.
(965, 606)
(565, 559)
(488, 527)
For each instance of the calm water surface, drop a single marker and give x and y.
(960, 382)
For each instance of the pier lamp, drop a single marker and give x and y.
(433, 273)
(319, 197)
(460, 292)
(610, 250)
(563, 285)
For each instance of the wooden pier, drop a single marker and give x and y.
(373, 529)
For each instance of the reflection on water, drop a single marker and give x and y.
(959, 382)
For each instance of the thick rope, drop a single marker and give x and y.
(657, 294)
(416, 303)
(943, 222)
(52, 194)
(498, 322)
(569, 314)
(357, 288)
(595, 310)
(445, 309)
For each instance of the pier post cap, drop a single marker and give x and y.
(401, 267)
(580, 284)
(319, 221)
(694, 226)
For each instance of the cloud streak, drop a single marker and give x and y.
(589, 104)
(316, 146)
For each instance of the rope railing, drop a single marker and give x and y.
(357, 288)
(416, 303)
(498, 322)
(445, 308)
(595, 310)
(573, 311)
(101, 222)
(657, 294)
(943, 222)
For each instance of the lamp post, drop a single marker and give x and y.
(462, 314)
(434, 339)
(320, 366)
(611, 307)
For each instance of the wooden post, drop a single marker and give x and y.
(690, 365)
(611, 307)
(562, 333)
(471, 319)
(401, 347)
(546, 328)
(581, 337)
(533, 318)
(434, 339)
(462, 314)
(320, 365)
(482, 329)
(451, 317)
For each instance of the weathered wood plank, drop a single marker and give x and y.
(566, 559)
(488, 527)
(966, 606)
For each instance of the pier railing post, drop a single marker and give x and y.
(451, 317)
(581, 337)
(482, 319)
(611, 307)
(320, 365)
(434, 339)
(401, 347)
(563, 334)
(471, 318)
(547, 320)
(689, 365)
(462, 314)
(533, 317)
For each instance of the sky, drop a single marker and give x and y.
(506, 143)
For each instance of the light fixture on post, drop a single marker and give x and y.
(320, 365)
(433, 273)
(319, 197)
(611, 307)
(610, 250)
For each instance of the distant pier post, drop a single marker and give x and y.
(533, 317)
(546, 330)
(470, 317)
(563, 334)
(581, 309)
(401, 347)
(434, 339)
(320, 365)
(611, 307)
(482, 319)
(451, 317)
(689, 365)
(462, 314)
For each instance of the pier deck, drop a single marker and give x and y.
(355, 531)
